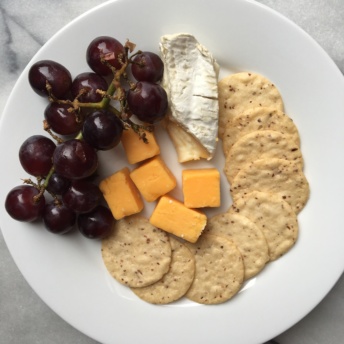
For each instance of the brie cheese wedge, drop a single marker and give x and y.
(190, 80)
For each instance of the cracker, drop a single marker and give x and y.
(261, 144)
(137, 254)
(273, 216)
(219, 270)
(258, 118)
(240, 91)
(273, 175)
(247, 237)
(176, 282)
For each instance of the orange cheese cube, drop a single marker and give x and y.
(121, 194)
(135, 149)
(153, 179)
(201, 188)
(174, 217)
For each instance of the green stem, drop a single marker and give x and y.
(104, 102)
(46, 182)
(110, 91)
(79, 136)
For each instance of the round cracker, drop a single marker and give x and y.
(137, 254)
(247, 237)
(219, 270)
(176, 282)
(275, 218)
(240, 91)
(258, 118)
(260, 144)
(279, 176)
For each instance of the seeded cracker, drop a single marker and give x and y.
(260, 144)
(137, 254)
(240, 91)
(281, 177)
(248, 238)
(273, 216)
(259, 118)
(177, 280)
(219, 270)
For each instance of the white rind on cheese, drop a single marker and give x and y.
(190, 80)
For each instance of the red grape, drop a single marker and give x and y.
(76, 108)
(148, 101)
(21, 205)
(108, 48)
(35, 155)
(58, 218)
(102, 130)
(53, 72)
(96, 224)
(89, 82)
(147, 66)
(61, 120)
(82, 196)
(75, 159)
(57, 184)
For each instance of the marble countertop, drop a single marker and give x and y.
(25, 25)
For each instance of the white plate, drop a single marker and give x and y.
(67, 271)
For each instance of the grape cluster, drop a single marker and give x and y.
(84, 115)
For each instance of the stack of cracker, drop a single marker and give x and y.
(160, 269)
(263, 165)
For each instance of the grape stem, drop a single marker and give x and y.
(46, 182)
(38, 186)
(46, 127)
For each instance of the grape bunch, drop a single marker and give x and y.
(83, 116)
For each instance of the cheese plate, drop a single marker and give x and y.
(67, 272)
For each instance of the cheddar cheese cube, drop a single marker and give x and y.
(153, 179)
(174, 217)
(121, 194)
(201, 188)
(136, 149)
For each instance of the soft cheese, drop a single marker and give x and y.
(190, 80)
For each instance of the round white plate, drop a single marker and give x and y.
(67, 271)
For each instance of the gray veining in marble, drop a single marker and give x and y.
(25, 25)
